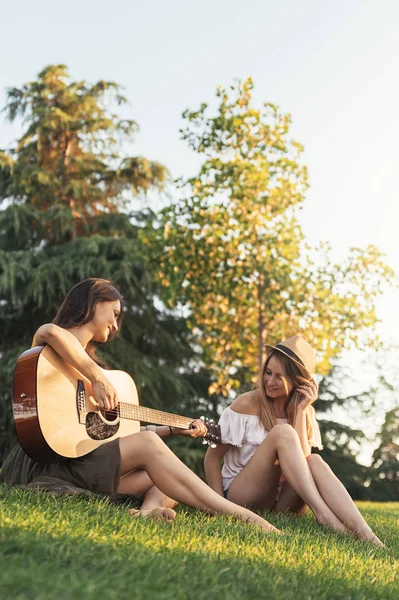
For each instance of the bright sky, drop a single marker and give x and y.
(333, 65)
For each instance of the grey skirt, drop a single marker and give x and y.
(98, 472)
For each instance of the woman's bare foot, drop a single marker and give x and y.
(159, 512)
(376, 541)
(368, 536)
(255, 519)
(332, 522)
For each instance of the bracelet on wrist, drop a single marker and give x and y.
(170, 429)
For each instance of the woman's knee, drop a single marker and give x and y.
(284, 432)
(316, 461)
(150, 440)
(139, 450)
(145, 442)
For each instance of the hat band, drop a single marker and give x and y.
(290, 353)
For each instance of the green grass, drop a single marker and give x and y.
(74, 547)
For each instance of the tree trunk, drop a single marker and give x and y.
(260, 329)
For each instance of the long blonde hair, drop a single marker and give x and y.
(266, 412)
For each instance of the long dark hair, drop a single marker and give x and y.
(79, 304)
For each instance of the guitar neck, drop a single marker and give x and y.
(150, 415)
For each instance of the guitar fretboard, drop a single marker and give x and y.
(150, 415)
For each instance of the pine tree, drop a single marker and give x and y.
(67, 192)
(341, 441)
(385, 483)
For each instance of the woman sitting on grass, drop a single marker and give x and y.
(138, 464)
(267, 437)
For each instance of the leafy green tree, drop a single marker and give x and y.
(66, 189)
(232, 252)
(386, 459)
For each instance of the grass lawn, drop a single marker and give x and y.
(74, 547)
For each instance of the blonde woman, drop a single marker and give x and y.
(268, 434)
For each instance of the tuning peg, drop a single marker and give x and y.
(202, 418)
(204, 442)
(213, 445)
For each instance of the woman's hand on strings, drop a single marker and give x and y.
(197, 429)
(309, 392)
(104, 393)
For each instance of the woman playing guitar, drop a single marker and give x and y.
(137, 464)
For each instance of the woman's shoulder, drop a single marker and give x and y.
(44, 333)
(246, 404)
(239, 420)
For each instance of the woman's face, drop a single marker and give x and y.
(276, 381)
(105, 319)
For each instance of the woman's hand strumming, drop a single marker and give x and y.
(104, 393)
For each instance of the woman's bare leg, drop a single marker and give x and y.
(265, 499)
(251, 486)
(146, 450)
(290, 502)
(135, 483)
(155, 504)
(337, 498)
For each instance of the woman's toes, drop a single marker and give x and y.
(166, 514)
(377, 542)
(159, 512)
(373, 539)
(332, 523)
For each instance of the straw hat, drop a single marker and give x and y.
(299, 351)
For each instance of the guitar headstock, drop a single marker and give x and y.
(213, 436)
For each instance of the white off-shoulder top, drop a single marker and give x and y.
(245, 433)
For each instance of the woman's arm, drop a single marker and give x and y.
(198, 429)
(300, 428)
(309, 393)
(161, 430)
(70, 349)
(213, 458)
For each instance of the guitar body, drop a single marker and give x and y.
(55, 414)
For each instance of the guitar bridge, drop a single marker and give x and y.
(81, 401)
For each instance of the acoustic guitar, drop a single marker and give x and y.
(56, 416)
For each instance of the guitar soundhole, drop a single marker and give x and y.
(97, 429)
(111, 415)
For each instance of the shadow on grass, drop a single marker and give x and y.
(38, 565)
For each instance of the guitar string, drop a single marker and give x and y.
(132, 411)
(127, 410)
